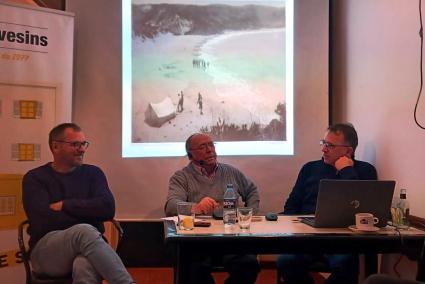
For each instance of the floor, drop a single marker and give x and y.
(165, 276)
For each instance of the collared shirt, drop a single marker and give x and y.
(204, 172)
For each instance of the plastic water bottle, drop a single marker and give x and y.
(400, 212)
(229, 206)
(403, 206)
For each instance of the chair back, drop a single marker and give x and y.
(23, 250)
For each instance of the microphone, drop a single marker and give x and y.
(199, 162)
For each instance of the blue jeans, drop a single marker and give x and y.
(79, 250)
(294, 267)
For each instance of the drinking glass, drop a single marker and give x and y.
(244, 217)
(186, 217)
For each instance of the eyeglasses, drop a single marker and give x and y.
(76, 144)
(331, 146)
(203, 147)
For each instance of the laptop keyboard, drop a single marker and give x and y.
(307, 220)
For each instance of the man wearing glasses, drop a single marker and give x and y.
(338, 147)
(67, 202)
(203, 182)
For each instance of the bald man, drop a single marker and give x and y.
(203, 182)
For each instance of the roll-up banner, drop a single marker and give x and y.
(36, 60)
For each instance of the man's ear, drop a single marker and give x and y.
(54, 146)
(349, 153)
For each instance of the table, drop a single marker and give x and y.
(287, 235)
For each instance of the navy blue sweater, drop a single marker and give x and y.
(303, 197)
(85, 194)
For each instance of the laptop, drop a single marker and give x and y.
(339, 200)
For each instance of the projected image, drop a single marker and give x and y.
(217, 67)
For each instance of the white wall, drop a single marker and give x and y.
(140, 185)
(376, 82)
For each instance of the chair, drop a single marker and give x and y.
(34, 278)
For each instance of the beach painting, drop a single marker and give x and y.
(216, 67)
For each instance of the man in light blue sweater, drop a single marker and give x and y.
(203, 182)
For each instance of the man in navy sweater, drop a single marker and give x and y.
(67, 202)
(338, 147)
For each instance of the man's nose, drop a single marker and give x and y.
(210, 147)
(81, 149)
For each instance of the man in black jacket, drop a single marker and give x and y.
(338, 147)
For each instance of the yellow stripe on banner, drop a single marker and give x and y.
(10, 258)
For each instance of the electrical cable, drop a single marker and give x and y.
(396, 263)
(421, 256)
(422, 253)
(406, 251)
(401, 255)
(421, 35)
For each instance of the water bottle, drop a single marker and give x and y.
(403, 206)
(400, 212)
(229, 206)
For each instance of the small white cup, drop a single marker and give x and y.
(365, 221)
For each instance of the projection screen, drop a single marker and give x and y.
(224, 68)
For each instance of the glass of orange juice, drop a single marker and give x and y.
(186, 217)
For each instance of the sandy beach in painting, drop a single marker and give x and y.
(240, 76)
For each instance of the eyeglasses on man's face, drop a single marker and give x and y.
(329, 145)
(75, 144)
(205, 146)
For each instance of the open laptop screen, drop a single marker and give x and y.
(339, 200)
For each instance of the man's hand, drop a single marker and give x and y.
(206, 206)
(57, 206)
(343, 162)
